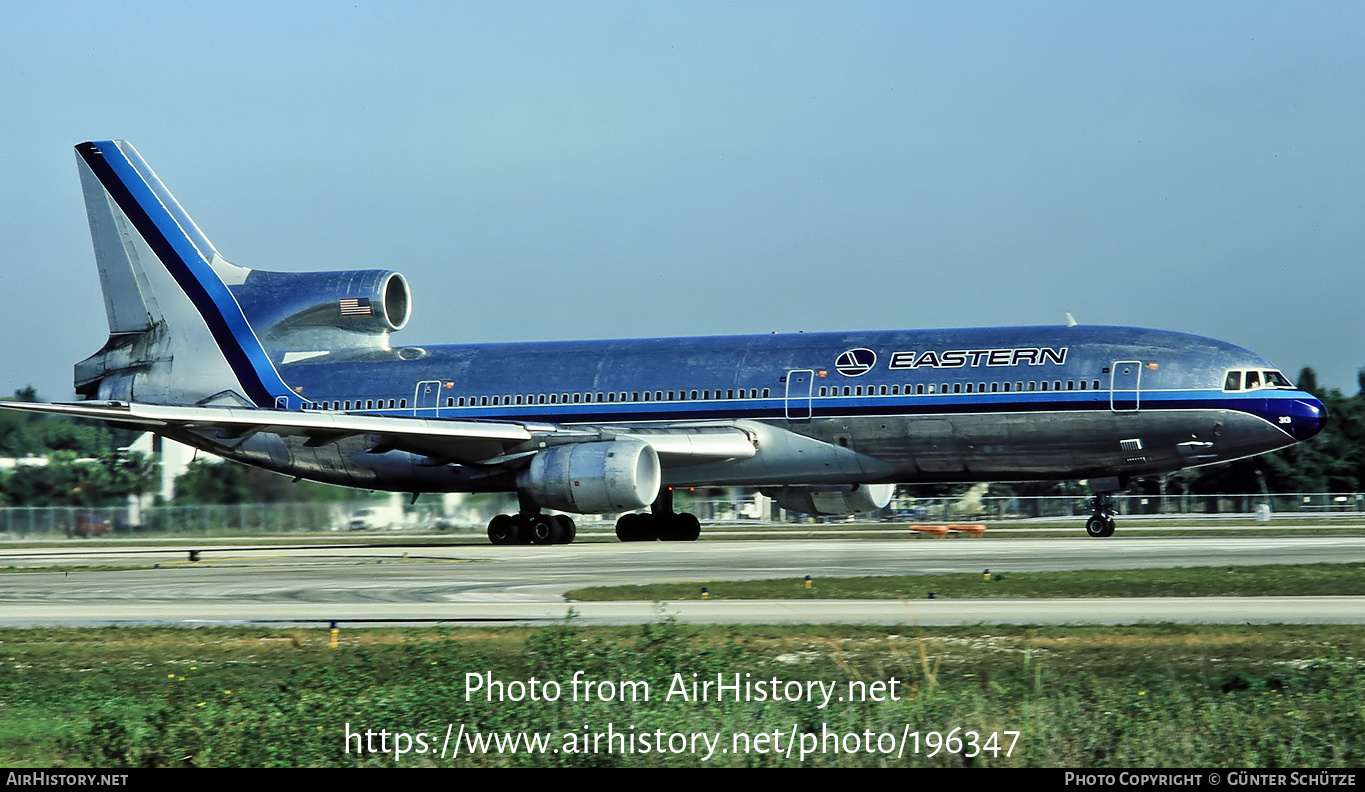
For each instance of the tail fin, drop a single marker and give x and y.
(177, 333)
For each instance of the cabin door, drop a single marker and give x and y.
(427, 398)
(799, 383)
(1124, 379)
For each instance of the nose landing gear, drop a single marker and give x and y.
(1101, 522)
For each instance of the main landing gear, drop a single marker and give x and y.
(1101, 522)
(661, 523)
(530, 526)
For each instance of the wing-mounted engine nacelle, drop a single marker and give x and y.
(832, 499)
(324, 310)
(593, 478)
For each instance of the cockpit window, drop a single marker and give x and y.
(1241, 379)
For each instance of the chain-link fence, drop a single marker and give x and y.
(471, 513)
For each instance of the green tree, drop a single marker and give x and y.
(1308, 380)
(68, 481)
(33, 434)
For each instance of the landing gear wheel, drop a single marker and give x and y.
(567, 530)
(1099, 526)
(503, 530)
(682, 527)
(637, 528)
(544, 529)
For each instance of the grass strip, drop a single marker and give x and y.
(1151, 696)
(1285, 580)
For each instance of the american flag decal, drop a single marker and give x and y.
(355, 306)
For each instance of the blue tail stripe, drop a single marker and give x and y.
(168, 239)
(183, 220)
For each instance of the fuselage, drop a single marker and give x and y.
(975, 404)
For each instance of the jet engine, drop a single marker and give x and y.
(592, 478)
(324, 310)
(831, 500)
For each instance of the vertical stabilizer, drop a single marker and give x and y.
(177, 333)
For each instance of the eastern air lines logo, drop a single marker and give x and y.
(856, 362)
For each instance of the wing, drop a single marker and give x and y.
(442, 440)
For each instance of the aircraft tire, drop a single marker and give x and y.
(1108, 526)
(503, 530)
(1099, 527)
(682, 527)
(567, 530)
(637, 528)
(543, 529)
(623, 527)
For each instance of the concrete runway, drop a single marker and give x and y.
(257, 582)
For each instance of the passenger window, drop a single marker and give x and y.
(1056, 384)
(931, 388)
(969, 387)
(1071, 384)
(995, 387)
(895, 390)
(957, 387)
(1007, 387)
(765, 393)
(1043, 385)
(919, 389)
(1031, 385)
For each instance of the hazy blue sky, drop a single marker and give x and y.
(589, 170)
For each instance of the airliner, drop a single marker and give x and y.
(298, 373)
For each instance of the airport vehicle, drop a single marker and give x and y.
(297, 373)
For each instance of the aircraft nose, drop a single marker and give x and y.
(1307, 417)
